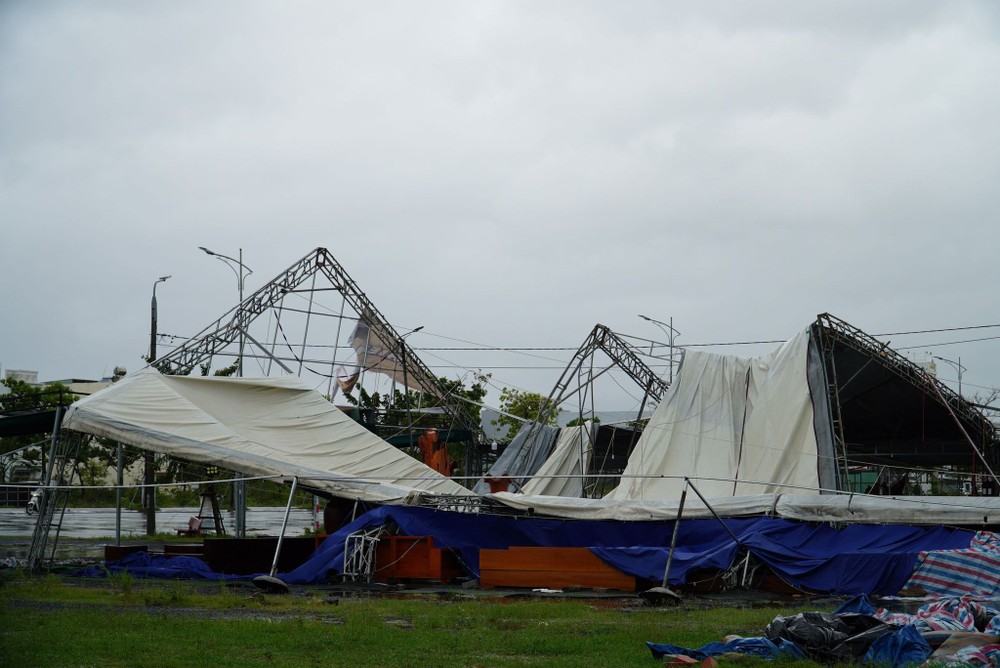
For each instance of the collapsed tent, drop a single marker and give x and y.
(256, 426)
(801, 419)
(526, 453)
(563, 473)
(740, 426)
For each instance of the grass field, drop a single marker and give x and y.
(54, 621)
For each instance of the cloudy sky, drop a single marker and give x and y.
(503, 173)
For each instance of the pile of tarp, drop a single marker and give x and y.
(973, 570)
(957, 631)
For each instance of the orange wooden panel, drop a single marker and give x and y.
(551, 567)
(413, 558)
(556, 558)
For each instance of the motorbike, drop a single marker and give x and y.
(34, 502)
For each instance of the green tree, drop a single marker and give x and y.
(401, 408)
(518, 404)
(26, 398)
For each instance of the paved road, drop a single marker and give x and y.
(82, 524)
(100, 522)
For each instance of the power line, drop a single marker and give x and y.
(949, 343)
(518, 349)
(943, 329)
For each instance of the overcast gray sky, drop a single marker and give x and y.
(503, 173)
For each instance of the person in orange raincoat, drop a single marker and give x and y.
(427, 442)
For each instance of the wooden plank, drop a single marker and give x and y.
(551, 567)
(413, 558)
(542, 558)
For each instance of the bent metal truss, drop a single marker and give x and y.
(233, 329)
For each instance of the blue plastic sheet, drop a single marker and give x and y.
(145, 565)
(467, 533)
(855, 559)
(859, 604)
(759, 647)
(905, 647)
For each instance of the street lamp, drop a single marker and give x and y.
(149, 477)
(668, 329)
(240, 486)
(232, 263)
(958, 367)
(152, 321)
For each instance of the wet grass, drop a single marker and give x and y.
(126, 622)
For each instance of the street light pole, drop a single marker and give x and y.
(149, 475)
(958, 367)
(240, 486)
(668, 329)
(152, 321)
(241, 275)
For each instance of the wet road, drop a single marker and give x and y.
(80, 525)
(100, 522)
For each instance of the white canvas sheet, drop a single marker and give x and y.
(266, 426)
(563, 472)
(636, 511)
(735, 426)
(846, 508)
(526, 453)
(858, 508)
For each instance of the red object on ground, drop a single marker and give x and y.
(500, 484)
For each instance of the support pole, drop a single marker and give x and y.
(673, 539)
(118, 497)
(149, 492)
(714, 514)
(284, 525)
(240, 505)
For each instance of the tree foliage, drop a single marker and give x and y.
(26, 398)
(576, 422)
(404, 408)
(516, 404)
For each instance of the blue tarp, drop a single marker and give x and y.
(905, 647)
(468, 533)
(759, 647)
(145, 565)
(855, 559)
(902, 647)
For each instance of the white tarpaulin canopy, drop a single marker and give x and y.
(736, 426)
(844, 508)
(257, 426)
(563, 472)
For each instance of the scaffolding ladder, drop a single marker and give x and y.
(59, 473)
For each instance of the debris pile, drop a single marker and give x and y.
(955, 631)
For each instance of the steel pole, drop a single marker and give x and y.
(118, 497)
(284, 525)
(673, 538)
